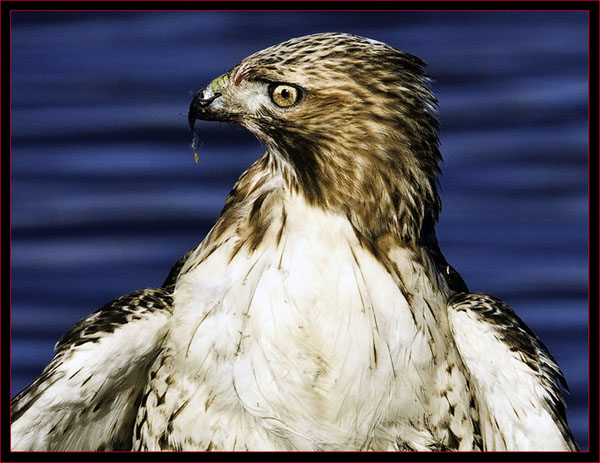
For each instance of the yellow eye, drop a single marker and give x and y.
(284, 95)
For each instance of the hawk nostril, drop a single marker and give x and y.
(204, 102)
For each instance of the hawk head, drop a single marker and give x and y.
(349, 121)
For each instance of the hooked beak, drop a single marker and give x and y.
(200, 108)
(207, 105)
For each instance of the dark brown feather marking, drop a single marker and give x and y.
(282, 227)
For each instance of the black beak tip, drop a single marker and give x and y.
(191, 119)
(193, 111)
(198, 106)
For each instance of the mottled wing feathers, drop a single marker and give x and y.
(173, 275)
(87, 396)
(517, 382)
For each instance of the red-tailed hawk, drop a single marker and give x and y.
(319, 312)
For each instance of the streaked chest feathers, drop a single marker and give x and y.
(307, 342)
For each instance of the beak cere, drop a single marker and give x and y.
(200, 108)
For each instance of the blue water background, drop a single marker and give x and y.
(106, 194)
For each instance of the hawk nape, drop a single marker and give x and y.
(319, 312)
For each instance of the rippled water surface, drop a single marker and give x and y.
(106, 194)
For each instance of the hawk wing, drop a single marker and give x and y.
(87, 397)
(516, 382)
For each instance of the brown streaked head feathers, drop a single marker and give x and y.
(362, 139)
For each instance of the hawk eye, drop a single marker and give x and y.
(284, 95)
